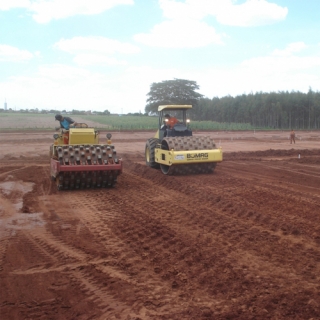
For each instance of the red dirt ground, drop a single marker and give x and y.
(241, 243)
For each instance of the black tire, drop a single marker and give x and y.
(150, 153)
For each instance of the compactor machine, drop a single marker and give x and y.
(175, 150)
(79, 161)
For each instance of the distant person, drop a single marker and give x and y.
(292, 137)
(65, 122)
(170, 121)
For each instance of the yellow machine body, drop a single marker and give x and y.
(172, 157)
(83, 136)
(75, 136)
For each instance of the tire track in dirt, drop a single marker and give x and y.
(261, 238)
(110, 302)
(122, 260)
(83, 205)
(89, 220)
(250, 192)
(3, 248)
(195, 224)
(311, 178)
(52, 253)
(282, 201)
(55, 249)
(153, 240)
(11, 170)
(120, 202)
(244, 192)
(227, 245)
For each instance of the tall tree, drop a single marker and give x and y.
(177, 91)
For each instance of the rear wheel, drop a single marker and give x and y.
(150, 153)
(169, 170)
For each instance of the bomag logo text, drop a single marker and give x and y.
(197, 155)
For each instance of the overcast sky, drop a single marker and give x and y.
(104, 54)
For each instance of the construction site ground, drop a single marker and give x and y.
(241, 243)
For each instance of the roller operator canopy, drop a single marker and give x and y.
(175, 107)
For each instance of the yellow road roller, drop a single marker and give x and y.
(79, 161)
(175, 150)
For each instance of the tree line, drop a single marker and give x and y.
(276, 110)
(53, 111)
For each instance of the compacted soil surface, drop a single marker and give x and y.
(240, 243)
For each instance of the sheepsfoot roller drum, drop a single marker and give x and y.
(87, 165)
(175, 151)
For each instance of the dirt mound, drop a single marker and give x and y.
(271, 154)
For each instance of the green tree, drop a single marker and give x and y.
(177, 91)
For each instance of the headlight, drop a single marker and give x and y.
(55, 136)
(109, 135)
(188, 120)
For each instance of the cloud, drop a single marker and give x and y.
(281, 72)
(43, 11)
(241, 80)
(96, 50)
(13, 4)
(227, 12)
(184, 26)
(180, 33)
(97, 59)
(60, 86)
(285, 62)
(290, 49)
(189, 9)
(95, 44)
(250, 13)
(48, 88)
(13, 54)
